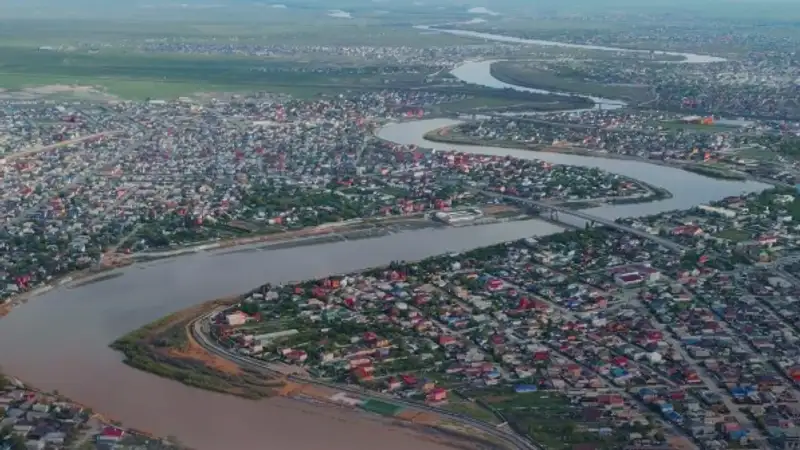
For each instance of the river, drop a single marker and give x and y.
(689, 58)
(478, 72)
(688, 189)
(60, 339)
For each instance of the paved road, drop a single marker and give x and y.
(591, 218)
(45, 148)
(199, 332)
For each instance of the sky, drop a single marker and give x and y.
(742, 9)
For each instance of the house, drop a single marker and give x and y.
(628, 279)
(409, 380)
(364, 373)
(111, 434)
(370, 337)
(437, 395)
(236, 318)
(22, 429)
(610, 400)
(767, 240)
(446, 339)
(55, 438)
(687, 230)
(298, 356)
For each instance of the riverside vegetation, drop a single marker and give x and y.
(166, 348)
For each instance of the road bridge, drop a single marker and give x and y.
(554, 211)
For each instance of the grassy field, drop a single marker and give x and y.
(292, 31)
(139, 76)
(107, 53)
(733, 234)
(757, 153)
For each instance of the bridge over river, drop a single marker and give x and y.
(555, 210)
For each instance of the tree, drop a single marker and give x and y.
(16, 442)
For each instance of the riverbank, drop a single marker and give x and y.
(79, 423)
(715, 172)
(182, 338)
(351, 230)
(462, 431)
(519, 74)
(77, 278)
(168, 349)
(444, 136)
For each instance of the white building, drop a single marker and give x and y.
(719, 211)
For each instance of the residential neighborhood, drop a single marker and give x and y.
(722, 147)
(35, 420)
(95, 184)
(634, 344)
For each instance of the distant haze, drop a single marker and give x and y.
(779, 10)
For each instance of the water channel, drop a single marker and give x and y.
(59, 340)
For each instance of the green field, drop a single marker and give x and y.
(759, 154)
(109, 54)
(733, 234)
(275, 28)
